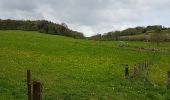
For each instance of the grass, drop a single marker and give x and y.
(78, 69)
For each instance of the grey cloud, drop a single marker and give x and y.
(89, 16)
(22, 5)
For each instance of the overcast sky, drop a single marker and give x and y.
(90, 16)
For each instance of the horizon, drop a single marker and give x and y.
(90, 17)
(83, 33)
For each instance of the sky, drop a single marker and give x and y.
(90, 16)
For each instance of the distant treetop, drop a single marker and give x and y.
(42, 26)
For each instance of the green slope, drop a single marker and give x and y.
(78, 69)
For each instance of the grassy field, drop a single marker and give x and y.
(74, 69)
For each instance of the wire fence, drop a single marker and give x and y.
(32, 89)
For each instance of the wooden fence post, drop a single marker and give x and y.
(37, 90)
(142, 65)
(146, 64)
(126, 72)
(29, 84)
(135, 71)
(139, 68)
(168, 78)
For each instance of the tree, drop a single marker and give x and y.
(154, 27)
(96, 37)
(157, 37)
(41, 26)
(117, 35)
(64, 25)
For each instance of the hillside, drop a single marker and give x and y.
(74, 69)
(145, 36)
(152, 33)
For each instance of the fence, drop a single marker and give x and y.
(140, 68)
(168, 85)
(36, 88)
(34, 93)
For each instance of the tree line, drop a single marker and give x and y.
(42, 26)
(154, 32)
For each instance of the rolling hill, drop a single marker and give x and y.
(75, 69)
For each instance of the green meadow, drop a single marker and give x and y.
(79, 69)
